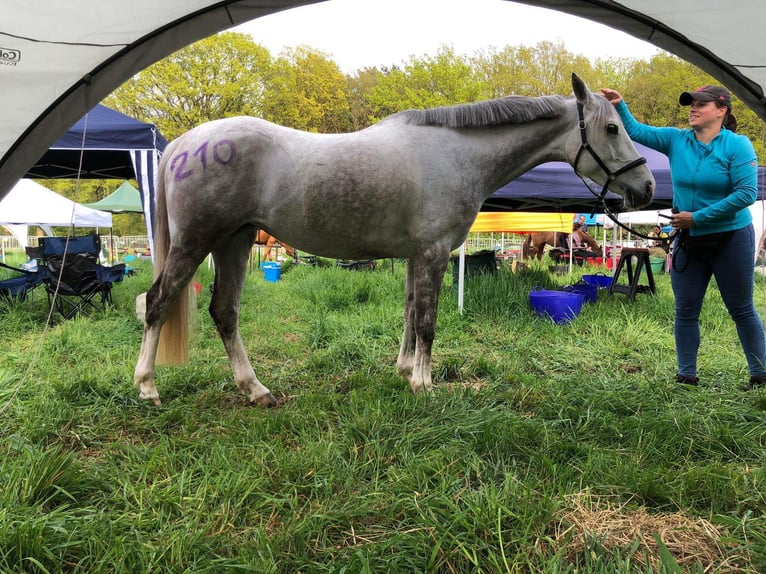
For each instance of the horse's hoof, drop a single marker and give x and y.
(421, 387)
(150, 396)
(268, 400)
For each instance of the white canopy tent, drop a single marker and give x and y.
(30, 203)
(58, 60)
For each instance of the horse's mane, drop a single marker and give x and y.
(506, 110)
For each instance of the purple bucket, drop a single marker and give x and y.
(589, 292)
(599, 280)
(561, 306)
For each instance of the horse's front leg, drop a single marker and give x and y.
(230, 274)
(405, 363)
(428, 277)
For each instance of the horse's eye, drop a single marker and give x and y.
(612, 129)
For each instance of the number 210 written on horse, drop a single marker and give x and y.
(223, 152)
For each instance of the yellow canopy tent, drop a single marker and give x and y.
(522, 223)
(511, 222)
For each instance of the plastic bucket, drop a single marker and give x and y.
(657, 264)
(272, 271)
(599, 280)
(560, 306)
(589, 292)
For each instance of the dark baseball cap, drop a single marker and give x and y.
(706, 94)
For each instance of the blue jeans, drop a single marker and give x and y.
(733, 271)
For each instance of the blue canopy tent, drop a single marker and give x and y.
(107, 144)
(554, 186)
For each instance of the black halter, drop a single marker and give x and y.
(586, 147)
(610, 175)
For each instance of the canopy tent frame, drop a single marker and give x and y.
(106, 144)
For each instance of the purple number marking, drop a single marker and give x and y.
(201, 152)
(232, 152)
(181, 158)
(224, 151)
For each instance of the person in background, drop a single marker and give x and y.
(659, 234)
(583, 225)
(714, 174)
(575, 241)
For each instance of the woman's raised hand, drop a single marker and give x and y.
(613, 96)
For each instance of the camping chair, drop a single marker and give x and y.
(75, 282)
(17, 288)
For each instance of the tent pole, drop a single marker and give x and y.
(461, 278)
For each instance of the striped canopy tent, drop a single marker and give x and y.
(103, 144)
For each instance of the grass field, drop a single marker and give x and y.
(544, 449)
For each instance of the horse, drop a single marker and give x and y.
(407, 187)
(534, 244)
(263, 238)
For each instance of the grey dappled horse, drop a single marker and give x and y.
(409, 187)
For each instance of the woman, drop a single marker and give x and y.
(714, 173)
(659, 234)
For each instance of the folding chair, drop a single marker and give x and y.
(75, 282)
(17, 288)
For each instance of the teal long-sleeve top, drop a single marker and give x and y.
(715, 182)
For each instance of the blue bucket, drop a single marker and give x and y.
(561, 306)
(599, 280)
(589, 292)
(272, 271)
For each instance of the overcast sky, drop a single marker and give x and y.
(359, 33)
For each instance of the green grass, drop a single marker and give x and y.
(353, 473)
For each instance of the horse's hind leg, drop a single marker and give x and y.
(177, 273)
(405, 363)
(230, 273)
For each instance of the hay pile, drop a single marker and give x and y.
(591, 520)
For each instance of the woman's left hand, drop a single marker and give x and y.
(682, 220)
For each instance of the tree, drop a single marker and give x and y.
(308, 91)
(543, 69)
(652, 91)
(221, 76)
(429, 81)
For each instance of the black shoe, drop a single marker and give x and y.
(687, 380)
(756, 382)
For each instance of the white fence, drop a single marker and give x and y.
(500, 242)
(120, 244)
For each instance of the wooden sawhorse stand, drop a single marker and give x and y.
(626, 261)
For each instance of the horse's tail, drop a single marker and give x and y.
(174, 338)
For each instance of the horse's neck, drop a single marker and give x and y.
(516, 148)
(592, 243)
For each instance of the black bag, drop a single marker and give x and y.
(704, 246)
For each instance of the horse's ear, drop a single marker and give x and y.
(581, 91)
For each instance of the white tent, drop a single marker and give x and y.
(29, 203)
(59, 59)
(651, 217)
(758, 211)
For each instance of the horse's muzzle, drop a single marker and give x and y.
(637, 198)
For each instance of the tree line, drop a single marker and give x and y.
(230, 74)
